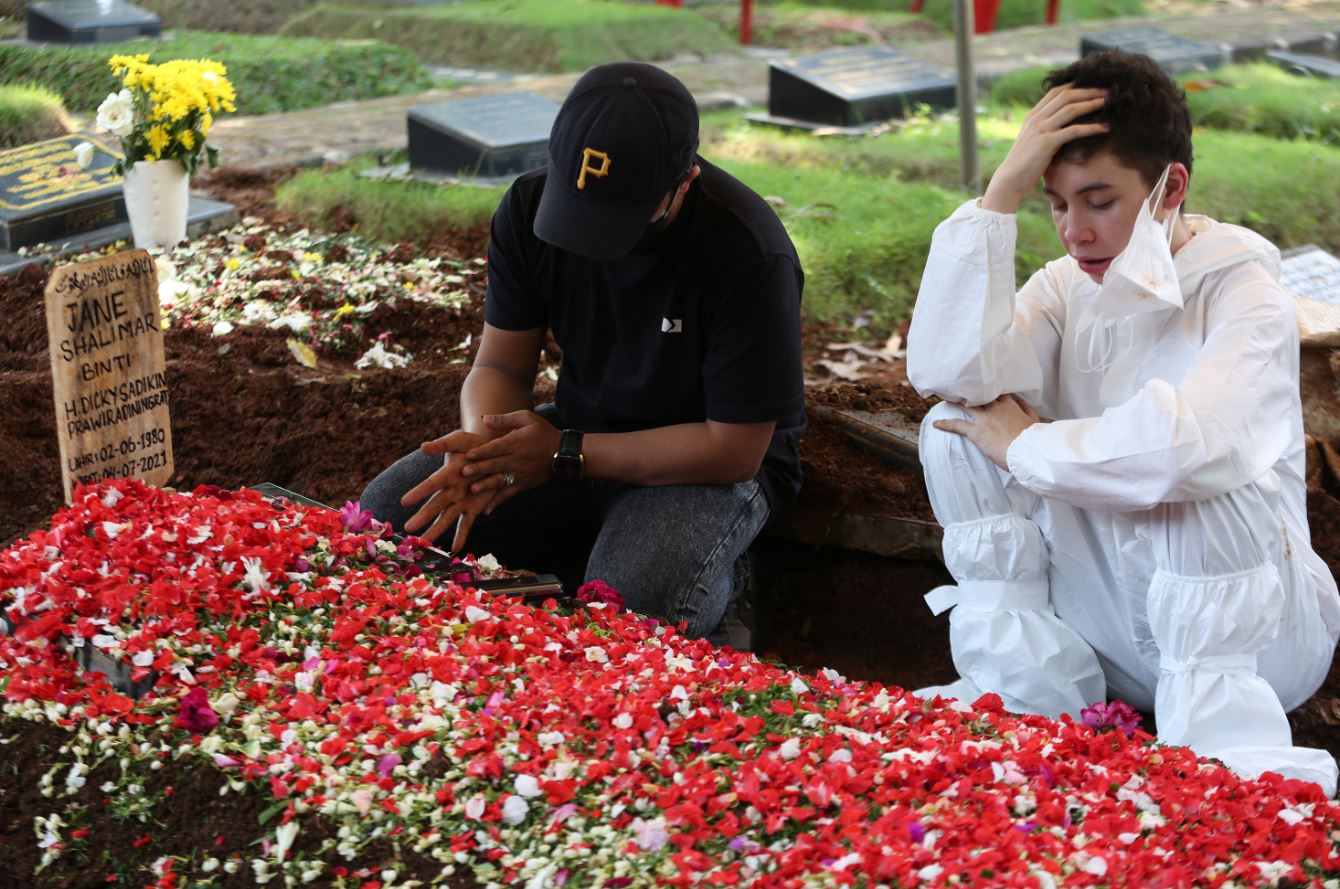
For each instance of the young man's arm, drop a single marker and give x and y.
(707, 453)
(752, 375)
(502, 378)
(499, 382)
(1230, 418)
(972, 340)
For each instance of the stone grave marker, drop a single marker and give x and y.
(46, 197)
(1176, 54)
(1306, 64)
(89, 21)
(1312, 272)
(851, 87)
(489, 136)
(109, 377)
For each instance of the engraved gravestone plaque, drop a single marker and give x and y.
(46, 197)
(498, 135)
(89, 21)
(109, 376)
(850, 87)
(1175, 54)
(1312, 272)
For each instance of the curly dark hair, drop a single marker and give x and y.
(1147, 111)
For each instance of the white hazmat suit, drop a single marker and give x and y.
(1151, 543)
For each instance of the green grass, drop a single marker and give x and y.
(269, 73)
(844, 5)
(1020, 13)
(526, 35)
(243, 16)
(861, 240)
(1267, 184)
(1022, 87)
(1264, 98)
(29, 114)
(861, 211)
(1284, 190)
(887, 192)
(1258, 98)
(385, 210)
(802, 26)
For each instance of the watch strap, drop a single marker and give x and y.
(568, 460)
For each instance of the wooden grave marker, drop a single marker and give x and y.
(109, 379)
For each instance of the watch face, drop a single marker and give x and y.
(566, 466)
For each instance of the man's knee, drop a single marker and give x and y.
(935, 445)
(383, 493)
(671, 551)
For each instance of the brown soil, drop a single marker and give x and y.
(243, 412)
(127, 847)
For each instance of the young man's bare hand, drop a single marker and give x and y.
(994, 426)
(523, 450)
(1047, 126)
(445, 495)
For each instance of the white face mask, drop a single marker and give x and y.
(1143, 276)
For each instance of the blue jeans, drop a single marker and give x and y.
(671, 550)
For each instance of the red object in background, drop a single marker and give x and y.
(746, 21)
(675, 3)
(984, 13)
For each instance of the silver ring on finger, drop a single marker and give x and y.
(508, 479)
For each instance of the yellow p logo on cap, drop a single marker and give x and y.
(587, 155)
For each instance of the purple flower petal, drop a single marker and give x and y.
(387, 763)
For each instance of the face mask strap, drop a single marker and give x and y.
(1156, 197)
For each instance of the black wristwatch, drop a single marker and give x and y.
(568, 460)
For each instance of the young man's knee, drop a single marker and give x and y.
(383, 493)
(931, 441)
(381, 497)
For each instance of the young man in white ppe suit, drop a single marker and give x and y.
(1149, 540)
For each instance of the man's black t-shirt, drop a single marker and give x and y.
(700, 322)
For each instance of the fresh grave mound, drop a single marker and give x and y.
(308, 359)
(365, 724)
(315, 359)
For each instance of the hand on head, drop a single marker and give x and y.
(1049, 125)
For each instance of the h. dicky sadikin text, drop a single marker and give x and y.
(79, 281)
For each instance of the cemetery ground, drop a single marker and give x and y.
(246, 410)
(340, 265)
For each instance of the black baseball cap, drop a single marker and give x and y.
(626, 133)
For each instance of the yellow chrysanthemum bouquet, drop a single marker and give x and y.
(165, 111)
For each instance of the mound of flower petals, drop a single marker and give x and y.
(542, 746)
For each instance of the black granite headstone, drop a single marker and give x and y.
(1175, 54)
(45, 196)
(850, 87)
(89, 21)
(496, 135)
(1307, 64)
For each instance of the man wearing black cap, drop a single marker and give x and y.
(674, 294)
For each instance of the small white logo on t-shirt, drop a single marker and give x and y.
(669, 325)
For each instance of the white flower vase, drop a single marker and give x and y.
(157, 195)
